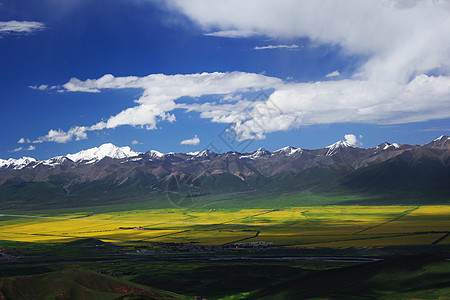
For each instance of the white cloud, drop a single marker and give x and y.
(135, 142)
(158, 98)
(402, 41)
(295, 104)
(290, 105)
(60, 136)
(20, 27)
(351, 139)
(23, 141)
(30, 148)
(403, 45)
(333, 74)
(293, 46)
(42, 87)
(194, 141)
(232, 33)
(231, 98)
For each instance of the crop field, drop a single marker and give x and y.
(320, 226)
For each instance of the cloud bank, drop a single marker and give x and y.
(405, 39)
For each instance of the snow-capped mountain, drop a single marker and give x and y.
(98, 153)
(442, 142)
(54, 161)
(341, 151)
(88, 172)
(334, 148)
(17, 164)
(288, 151)
(154, 154)
(204, 153)
(257, 154)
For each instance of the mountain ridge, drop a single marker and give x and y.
(110, 171)
(110, 150)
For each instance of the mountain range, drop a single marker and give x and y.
(400, 171)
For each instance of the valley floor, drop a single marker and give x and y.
(229, 253)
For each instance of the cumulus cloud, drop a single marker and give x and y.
(333, 74)
(11, 27)
(289, 106)
(60, 136)
(294, 104)
(293, 46)
(135, 142)
(158, 98)
(351, 139)
(194, 141)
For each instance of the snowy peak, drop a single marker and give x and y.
(340, 144)
(260, 152)
(442, 142)
(204, 153)
(334, 148)
(17, 164)
(442, 138)
(98, 153)
(54, 161)
(289, 150)
(257, 154)
(154, 154)
(388, 146)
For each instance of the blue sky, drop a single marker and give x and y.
(185, 69)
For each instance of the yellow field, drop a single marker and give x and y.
(327, 226)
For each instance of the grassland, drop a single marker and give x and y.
(309, 226)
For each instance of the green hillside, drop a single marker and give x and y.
(76, 284)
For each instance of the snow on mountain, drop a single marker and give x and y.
(442, 142)
(289, 150)
(154, 154)
(109, 150)
(334, 148)
(54, 161)
(256, 154)
(98, 153)
(388, 146)
(17, 164)
(204, 153)
(442, 138)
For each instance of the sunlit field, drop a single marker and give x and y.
(325, 226)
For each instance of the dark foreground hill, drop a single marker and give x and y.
(410, 277)
(76, 284)
(393, 173)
